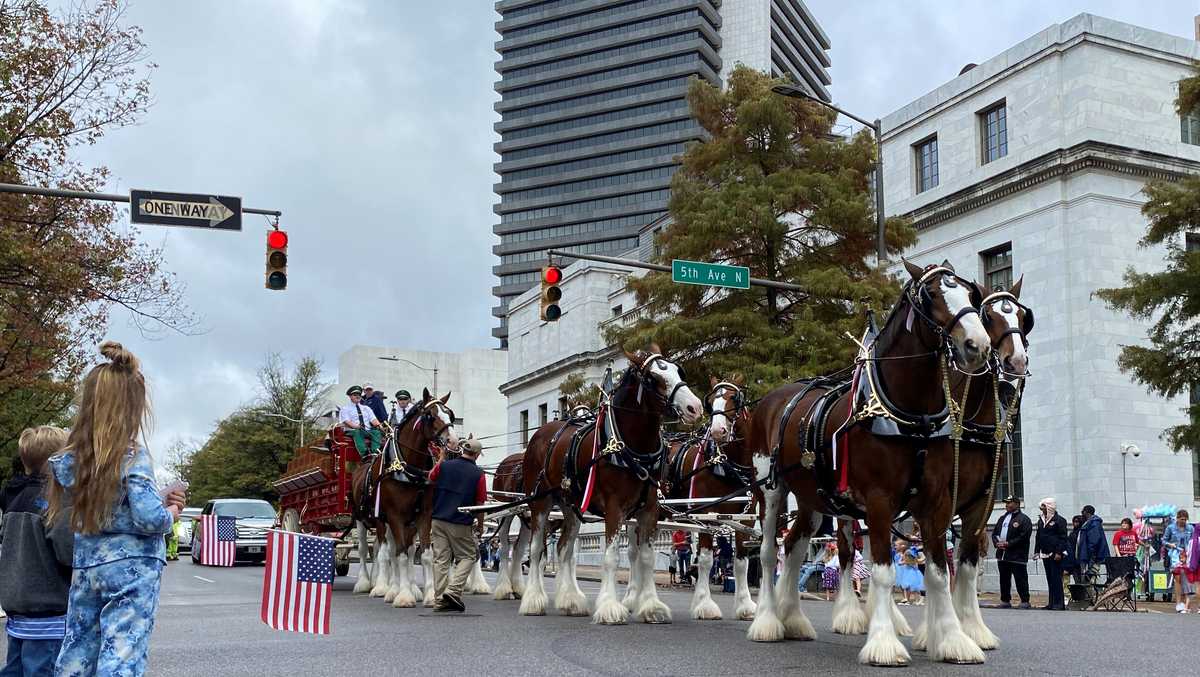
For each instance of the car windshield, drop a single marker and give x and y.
(255, 509)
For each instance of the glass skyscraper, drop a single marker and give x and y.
(593, 113)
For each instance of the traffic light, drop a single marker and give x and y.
(277, 244)
(551, 293)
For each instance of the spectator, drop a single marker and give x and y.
(1192, 564)
(682, 542)
(724, 554)
(1011, 539)
(103, 486)
(1071, 560)
(374, 399)
(1092, 546)
(1177, 537)
(861, 572)
(1125, 541)
(1052, 546)
(35, 565)
(908, 558)
(817, 566)
(457, 482)
(831, 578)
(1146, 550)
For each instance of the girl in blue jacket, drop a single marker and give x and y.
(119, 517)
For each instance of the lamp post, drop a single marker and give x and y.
(293, 420)
(434, 369)
(876, 127)
(1126, 450)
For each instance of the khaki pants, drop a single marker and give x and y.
(455, 542)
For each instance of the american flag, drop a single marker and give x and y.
(298, 582)
(218, 551)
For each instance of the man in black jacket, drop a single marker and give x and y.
(457, 482)
(1052, 546)
(1011, 538)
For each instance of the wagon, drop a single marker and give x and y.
(314, 493)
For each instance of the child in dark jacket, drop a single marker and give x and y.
(35, 561)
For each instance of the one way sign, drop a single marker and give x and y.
(220, 212)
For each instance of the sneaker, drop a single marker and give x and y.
(1004, 605)
(902, 602)
(455, 603)
(919, 602)
(1180, 607)
(1024, 605)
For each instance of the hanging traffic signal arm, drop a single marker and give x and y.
(277, 259)
(551, 293)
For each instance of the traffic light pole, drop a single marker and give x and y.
(634, 263)
(102, 197)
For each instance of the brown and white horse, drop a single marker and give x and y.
(613, 474)
(508, 479)
(404, 497)
(710, 467)
(934, 327)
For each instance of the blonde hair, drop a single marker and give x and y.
(38, 444)
(112, 411)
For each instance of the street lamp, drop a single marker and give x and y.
(293, 420)
(393, 358)
(1126, 450)
(797, 93)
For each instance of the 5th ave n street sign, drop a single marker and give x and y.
(220, 212)
(710, 274)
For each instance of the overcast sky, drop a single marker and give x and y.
(369, 124)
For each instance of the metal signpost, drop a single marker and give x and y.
(710, 274)
(729, 270)
(218, 212)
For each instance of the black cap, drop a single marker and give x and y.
(1011, 499)
(402, 395)
(354, 390)
(1088, 510)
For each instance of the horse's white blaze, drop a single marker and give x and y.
(609, 610)
(966, 606)
(957, 299)
(744, 606)
(703, 606)
(849, 618)
(767, 626)
(795, 624)
(882, 647)
(1019, 359)
(946, 639)
(719, 427)
(685, 401)
(364, 582)
(533, 602)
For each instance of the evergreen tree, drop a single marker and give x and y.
(774, 190)
(1170, 299)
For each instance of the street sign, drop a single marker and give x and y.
(219, 212)
(711, 274)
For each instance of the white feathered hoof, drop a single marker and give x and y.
(957, 648)
(797, 626)
(884, 650)
(745, 612)
(851, 619)
(980, 634)
(630, 601)
(428, 602)
(533, 603)
(504, 590)
(391, 594)
(363, 585)
(610, 612)
(900, 622)
(404, 599)
(766, 628)
(653, 611)
(380, 590)
(707, 611)
(571, 603)
(920, 638)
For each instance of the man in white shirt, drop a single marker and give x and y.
(361, 422)
(404, 404)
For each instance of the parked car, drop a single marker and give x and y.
(254, 518)
(187, 520)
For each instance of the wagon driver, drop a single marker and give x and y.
(364, 427)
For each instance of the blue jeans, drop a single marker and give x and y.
(31, 657)
(807, 571)
(110, 615)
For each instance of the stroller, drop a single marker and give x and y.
(1117, 592)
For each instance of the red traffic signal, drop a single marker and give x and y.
(277, 239)
(551, 275)
(276, 275)
(551, 293)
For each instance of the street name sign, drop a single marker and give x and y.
(711, 274)
(219, 212)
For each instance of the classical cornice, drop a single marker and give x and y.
(1089, 155)
(564, 366)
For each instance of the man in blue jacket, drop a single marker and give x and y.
(457, 482)
(1092, 548)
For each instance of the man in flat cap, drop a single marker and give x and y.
(1011, 538)
(404, 404)
(364, 427)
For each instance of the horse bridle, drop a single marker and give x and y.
(921, 301)
(1022, 329)
(738, 397)
(429, 413)
(647, 379)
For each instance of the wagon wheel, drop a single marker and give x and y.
(291, 520)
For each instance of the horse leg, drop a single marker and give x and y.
(410, 564)
(766, 626)
(743, 604)
(633, 590)
(518, 556)
(882, 647)
(383, 565)
(703, 606)
(848, 615)
(568, 598)
(395, 560)
(609, 610)
(476, 583)
(966, 583)
(946, 640)
(650, 608)
(402, 588)
(795, 624)
(426, 525)
(364, 582)
(503, 575)
(533, 602)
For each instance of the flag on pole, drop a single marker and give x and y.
(298, 582)
(219, 540)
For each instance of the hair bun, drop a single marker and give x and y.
(116, 353)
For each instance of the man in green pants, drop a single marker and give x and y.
(361, 421)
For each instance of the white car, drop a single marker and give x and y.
(254, 518)
(187, 519)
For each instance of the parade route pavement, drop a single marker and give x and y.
(208, 624)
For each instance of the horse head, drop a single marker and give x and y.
(1007, 319)
(666, 379)
(948, 304)
(725, 405)
(437, 421)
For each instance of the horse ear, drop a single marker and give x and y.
(634, 358)
(913, 269)
(654, 349)
(976, 294)
(739, 379)
(712, 381)
(1016, 288)
(471, 436)
(445, 398)
(425, 396)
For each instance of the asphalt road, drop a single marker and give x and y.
(208, 624)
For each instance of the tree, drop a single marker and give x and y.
(771, 189)
(1169, 299)
(576, 391)
(249, 450)
(65, 79)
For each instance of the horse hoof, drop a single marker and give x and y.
(920, 638)
(746, 613)
(402, 601)
(958, 649)
(707, 611)
(654, 612)
(884, 651)
(798, 627)
(765, 628)
(610, 612)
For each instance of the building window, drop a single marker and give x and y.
(998, 268)
(524, 426)
(993, 124)
(562, 412)
(927, 164)
(543, 414)
(1011, 480)
(617, 310)
(1189, 128)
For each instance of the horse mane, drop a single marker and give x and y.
(416, 411)
(891, 325)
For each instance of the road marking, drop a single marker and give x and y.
(204, 579)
